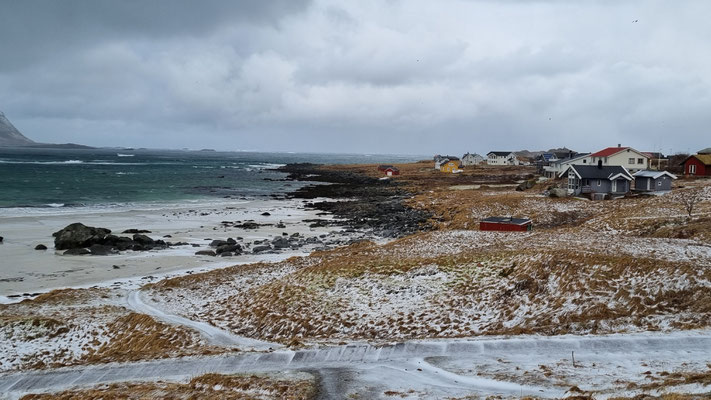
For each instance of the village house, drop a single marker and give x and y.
(392, 171)
(598, 180)
(472, 159)
(627, 157)
(451, 166)
(653, 181)
(554, 169)
(501, 158)
(441, 160)
(699, 164)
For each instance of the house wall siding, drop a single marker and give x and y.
(701, 169)
(666, 183)
(622, 159)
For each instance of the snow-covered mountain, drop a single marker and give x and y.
(9, 135)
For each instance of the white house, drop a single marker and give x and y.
(472, 159)
(501, 158)
(626, 157)
(556, 167)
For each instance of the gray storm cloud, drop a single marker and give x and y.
(414, 77)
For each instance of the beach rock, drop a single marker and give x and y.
(136, 231)
(205, 253)
(78, 235)
(281, 243)
(1, 239)
(314, 240)
(120, 243)
(143, 240)
(229, 248)
(281, 225)
(76, 252)
(248, 225)
(220, 243)
(261, 249)
(40, 247)
(266, 214)
(226, 254)
(101, 250)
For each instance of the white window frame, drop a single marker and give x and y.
(640, 161)
(692, 169)
(630, 161)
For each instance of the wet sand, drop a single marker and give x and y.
(24, 270)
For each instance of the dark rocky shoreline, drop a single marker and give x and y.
(359, 202)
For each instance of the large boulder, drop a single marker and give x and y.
(229, 248)
(101, 250)
(76, 252)
(281, 243)
(78, 235)
(558, 192)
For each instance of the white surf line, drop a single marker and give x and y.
(213, 334)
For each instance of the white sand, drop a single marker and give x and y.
(25, 270)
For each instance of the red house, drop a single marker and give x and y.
(506, 224)
(698, 165)
(390, 171)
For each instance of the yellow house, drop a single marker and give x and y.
(449, 166)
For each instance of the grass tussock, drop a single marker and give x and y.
(136, 337)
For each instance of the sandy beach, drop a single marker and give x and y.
(27, 271)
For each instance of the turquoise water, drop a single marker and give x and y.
(75, 178)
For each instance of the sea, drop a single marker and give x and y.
(36, 179)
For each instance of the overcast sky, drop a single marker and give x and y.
(389, 76)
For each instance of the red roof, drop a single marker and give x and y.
(608, 151)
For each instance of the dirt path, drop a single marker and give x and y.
(491, 366)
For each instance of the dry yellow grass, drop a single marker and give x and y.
(585, 269)
(205, 387)
(78, 326)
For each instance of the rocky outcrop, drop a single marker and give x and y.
(78, 235)
(363, 203)
(100, 241)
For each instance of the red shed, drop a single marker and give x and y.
(392, 171)
(699, 165)
(506, 224)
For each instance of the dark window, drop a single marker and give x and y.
(640, 161)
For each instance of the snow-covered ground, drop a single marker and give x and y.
(623, 364)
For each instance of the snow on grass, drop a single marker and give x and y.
(77, 326)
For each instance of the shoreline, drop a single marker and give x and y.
(31, 272)
(329, 209)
